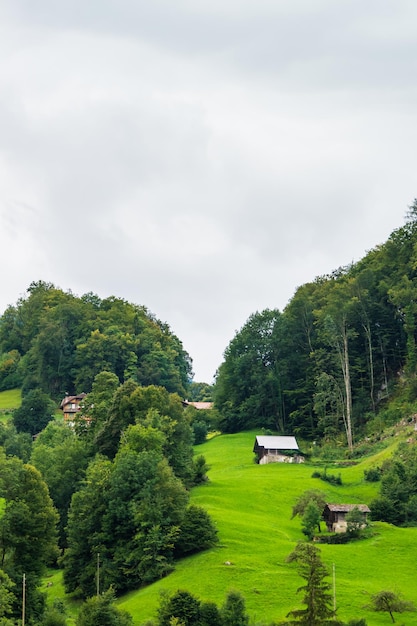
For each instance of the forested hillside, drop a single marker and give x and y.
(57, 342)
(110, 486)
(326, 364)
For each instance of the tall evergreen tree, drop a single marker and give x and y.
(317, 598)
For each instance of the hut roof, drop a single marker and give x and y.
(346, 508)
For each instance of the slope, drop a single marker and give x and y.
(251, 505)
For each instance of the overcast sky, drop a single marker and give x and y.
(203, 158)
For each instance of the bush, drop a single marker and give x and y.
(200, 431)
(329, 478)
(197, 532)
(372, 475)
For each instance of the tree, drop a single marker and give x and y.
(250, 382)
(317, 599)
(27, 531)
(35, 412)
(311, 519)
(84, 529)
(62, 458)
(210, 614)
(197, 532)
(311, 495)
(182, 606)
(97, 403)
(335, 321)
(100, 610)
(7, 598)
(391, 603)
(233, 612)
(356, 523)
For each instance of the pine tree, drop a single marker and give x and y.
(317, 598)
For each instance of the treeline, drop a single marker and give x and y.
(57, 342)
(323, 367)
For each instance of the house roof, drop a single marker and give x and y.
(276, 442)
(70, 399)
(346, 508)
(200, 405)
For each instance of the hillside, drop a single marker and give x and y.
(251, 506)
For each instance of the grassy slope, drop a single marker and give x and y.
(9, 400)
(251, 506)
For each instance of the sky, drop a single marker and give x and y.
(202, 158)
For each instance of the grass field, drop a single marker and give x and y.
(10, 399)
(251, 505)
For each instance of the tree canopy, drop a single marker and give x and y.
(57, 342)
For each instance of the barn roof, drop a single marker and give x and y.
(346, 508)
(276, 442)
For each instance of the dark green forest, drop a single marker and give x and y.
(326, 365)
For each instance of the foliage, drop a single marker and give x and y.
(57, 342)
(7, 598)
(62, 458)
(316, 598)
(132, 510)
(356, 523)
(184, 608)
(397, 503)
(197, 532)
(200, 431)
(311, 520)
(35, 412)
(311, 495)
(54, 617)
(328, 478)
(14, 443)
(233, 610)
(182, 605)
(200, 392)
(27, 531)
(249, 382)
(372, 475)
(100, 610)
(322, 367)
(390, 602)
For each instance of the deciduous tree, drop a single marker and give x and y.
(390, 602)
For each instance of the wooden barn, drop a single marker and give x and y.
(335, 515)
(277, 449)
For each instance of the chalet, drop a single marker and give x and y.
(71, 405)
(274, 449)
(335, 515)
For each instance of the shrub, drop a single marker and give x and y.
(200, 432)
(329, 478)
(372, 475)
(197, 532)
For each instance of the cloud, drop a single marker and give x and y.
(203, 159)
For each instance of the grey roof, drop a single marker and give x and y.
(345, 508)
(276, 443)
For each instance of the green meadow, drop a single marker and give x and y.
(9, 400)
(251, 505)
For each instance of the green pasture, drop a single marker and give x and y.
(251, 505)
(9, 400)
